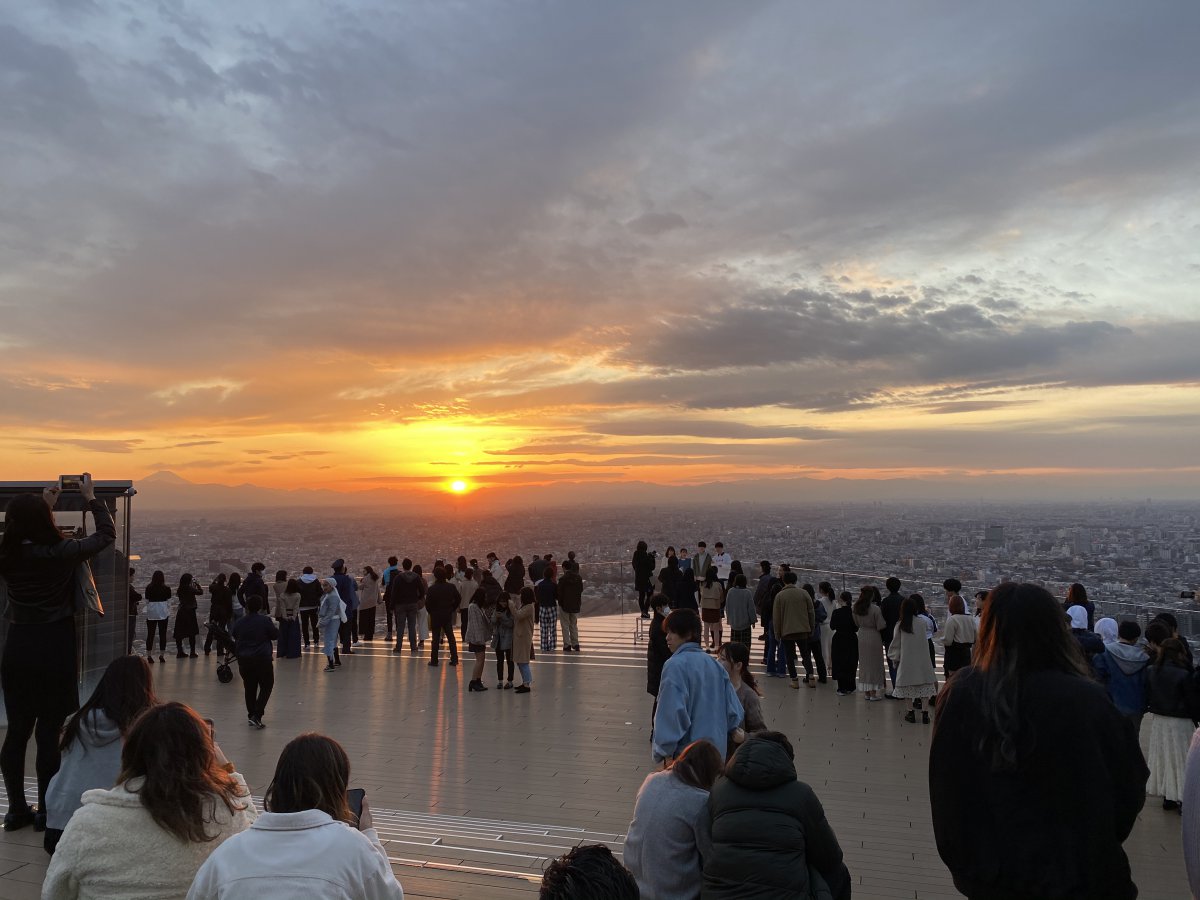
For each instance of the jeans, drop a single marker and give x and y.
(258, 678)
(774, 657)
(406, 619)
(526, 673)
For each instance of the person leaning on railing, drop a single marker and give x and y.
(39, 672)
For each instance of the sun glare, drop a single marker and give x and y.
(458, 486)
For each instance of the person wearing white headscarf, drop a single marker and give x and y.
(1107, 629)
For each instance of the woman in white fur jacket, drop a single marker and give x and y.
(176, 799)
(308, 843)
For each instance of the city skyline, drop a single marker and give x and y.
(621, 249)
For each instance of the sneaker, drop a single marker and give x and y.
(397, 649)
(337, 663)
(454, 662)
(795, 684)
(576, 648)
(499, 685)
(193, 656)
(508, 685)
(843, 693)
(646, 616)
(522, 689)
(433, 663)
(251, 721)
(329, 668)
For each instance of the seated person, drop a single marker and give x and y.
(176, 799)
(589, 872)
(308, 843)
(761, 796)
(92, 740)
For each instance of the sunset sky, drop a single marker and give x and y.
(392, 245)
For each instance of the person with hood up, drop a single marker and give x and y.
(1121, 668)
(794, 854)
(349, 594)
(1089, 642)
(406, 593)
(329, 617)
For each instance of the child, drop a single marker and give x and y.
(502, 641)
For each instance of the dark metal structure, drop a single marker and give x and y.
(100, 640)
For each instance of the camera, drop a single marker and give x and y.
(70, 483)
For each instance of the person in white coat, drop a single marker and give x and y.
(308, 843)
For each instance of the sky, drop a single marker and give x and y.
(531, 245)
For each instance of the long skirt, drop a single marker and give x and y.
(1165, 741)
(844, 648)
(186, 625)
(289, 638)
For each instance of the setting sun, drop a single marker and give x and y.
(458, 486)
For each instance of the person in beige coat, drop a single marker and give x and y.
(176, 799)
(793, 617)
(523, 619)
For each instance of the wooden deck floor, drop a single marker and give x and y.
(473, 792)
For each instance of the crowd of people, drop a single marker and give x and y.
(1038, 694)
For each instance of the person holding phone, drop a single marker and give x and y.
(309, 842)
(39, 670)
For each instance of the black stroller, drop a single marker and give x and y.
(225, 650)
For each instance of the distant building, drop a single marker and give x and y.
(993, 536)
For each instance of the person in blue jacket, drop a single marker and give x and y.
(1121, 668)
(696, 700)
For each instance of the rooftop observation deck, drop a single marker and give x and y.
(473, 793)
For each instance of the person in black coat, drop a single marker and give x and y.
(657, 650)
(844, 648)
(1035, 778)
(643, 575)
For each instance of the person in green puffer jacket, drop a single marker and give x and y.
(794, 854)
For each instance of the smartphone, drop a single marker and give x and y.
(70, 483)
(354, 797)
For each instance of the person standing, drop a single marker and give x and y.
(441, 599)
(827, 600)
(869, 619)
(814, 647)
(348, 591)
(523, 617)
(570, 602)
(368, 603)
(502, 640)
(329, 618)
(254, 635)
(1011, 731)
(1121, 668)
(915, 675)
(774, 657)
(1168, 727)
(739, 608)
(668, 838)
(158, 609)
(723, 561)
(389, 573)
(890, 607)
(657, 650)
(696, 700)
(311, 594)
(844, 647)
(478, 633)
(793, 617)
(515, 579)
(701, 561)
(712, 600)
(39, 667)
(463, 580)
(278, 589)
(220, 609)
(186, 626)
(958, 638)
(135, 600)
(406, 594)
(254, 586)
(643, 573)
(289, 621)
(546, 591)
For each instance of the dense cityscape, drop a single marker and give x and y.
(1130, 556)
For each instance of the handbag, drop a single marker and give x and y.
(86, 595)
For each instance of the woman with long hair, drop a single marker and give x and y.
(1167, 727)
(158, 609)
(176, 799)
(868, 617)
(827, 599)
(39, 670)
(220, 608)
(734, 658)
(669, 835)
(502, 640)
(289, 619)
(515, 579)
(308, 842)
(915, 676)
(1011, 730)
(712, 601)
(237, 605)
(844, 646)
(523, 618)
(186, 626)
(477, 635)
(91, 740)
